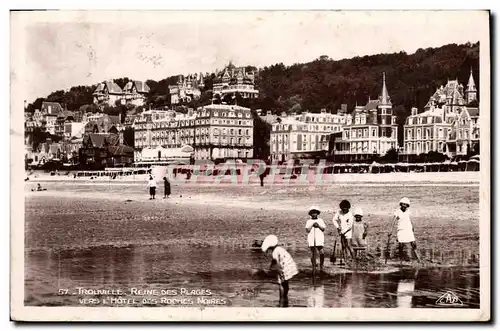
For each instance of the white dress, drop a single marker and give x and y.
(405, 228)
(315, 236)
(345, 221)
(286, 265)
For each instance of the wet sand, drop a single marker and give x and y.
(110, 235)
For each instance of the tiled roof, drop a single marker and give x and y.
(120, 150)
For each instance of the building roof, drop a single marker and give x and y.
(112, 87)
(372, 104)
(471, 85)
(120, 150)
(140, 86)
(53, 148)
(55, 107)
(384, 96)
(473, 111)
(101, 140)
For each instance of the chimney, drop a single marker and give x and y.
(414, 111)
(344, 107)
(323, 111)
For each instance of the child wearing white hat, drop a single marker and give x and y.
(359, 231)
(285, 264)
(405, 234)
(316, 239)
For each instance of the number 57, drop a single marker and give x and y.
(63, 291)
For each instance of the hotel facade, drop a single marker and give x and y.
(214, 132)
(295, 135)
(232, 80)
(449, 123)
(370, 130)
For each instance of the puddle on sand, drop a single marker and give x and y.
(231, 277)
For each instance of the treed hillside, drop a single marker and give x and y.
(325, 83)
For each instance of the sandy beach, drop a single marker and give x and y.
(207, 230)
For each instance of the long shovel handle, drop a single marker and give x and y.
(314, 257)
(387, 248)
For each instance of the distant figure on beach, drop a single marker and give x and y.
(262, 176)
(405, 234)
(39, 188)
(152, 187)
(166, 184)
(285, 264)
(315, 238)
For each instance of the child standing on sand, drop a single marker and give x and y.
(359, 231)
(152, 187)
(405, 229)
(343, 220)
(285, 264)
(316, 239)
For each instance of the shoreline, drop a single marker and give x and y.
(468, 177)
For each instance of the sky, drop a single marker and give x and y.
(58, 50)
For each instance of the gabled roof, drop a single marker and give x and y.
(101, 140)
(140, 86)
(55, 107)
(112, 87)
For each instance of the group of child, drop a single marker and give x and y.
(352, 230)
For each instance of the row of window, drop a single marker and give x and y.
(424, 147)
(362, 120)
(175, 124)
(364, 133)
(323, 119)
(318, 128)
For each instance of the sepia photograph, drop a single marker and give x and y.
(250, 165)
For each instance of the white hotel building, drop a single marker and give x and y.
(294, 135)
(214, 131)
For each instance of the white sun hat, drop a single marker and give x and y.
(405, 201)
(270, 241)
(316, 208)
(357, 211)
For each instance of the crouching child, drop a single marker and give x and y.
(285, 264)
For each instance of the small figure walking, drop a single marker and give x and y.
(285, 264)
(316, 239)
(405, 229)
(359, 232)
(166, 185)
(152, 187)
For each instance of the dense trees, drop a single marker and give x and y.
(261, 136)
